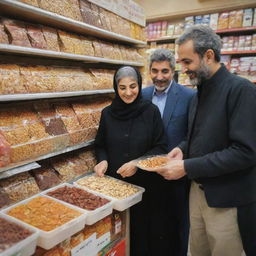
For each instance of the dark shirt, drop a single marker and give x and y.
(221, 145)
(120, 141)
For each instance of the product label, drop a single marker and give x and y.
(87, 247)
(127, 9)
(103, 240)
(118, 226)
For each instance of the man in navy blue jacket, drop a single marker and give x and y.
(173, 101)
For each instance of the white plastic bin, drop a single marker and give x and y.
(48, 239)
(25, 247)
(92, 216)
(118, 204)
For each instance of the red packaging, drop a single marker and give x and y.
(118, 250)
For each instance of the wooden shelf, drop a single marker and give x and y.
(238, 52)
(27, 51)
(34, 14)
(29, 165)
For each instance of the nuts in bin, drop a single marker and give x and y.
(78, 197)
(11, 233)
(108, 186)
(43, 213)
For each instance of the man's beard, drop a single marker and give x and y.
(202, 74)
(161, 88)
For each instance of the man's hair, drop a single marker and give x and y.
(160, 55)
(204, 38)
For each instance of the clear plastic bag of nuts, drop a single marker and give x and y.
(20, 186)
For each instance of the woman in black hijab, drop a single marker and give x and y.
(130, 128)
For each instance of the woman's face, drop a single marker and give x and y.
(128, 89)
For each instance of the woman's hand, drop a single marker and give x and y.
(128, 169)
(101, 168)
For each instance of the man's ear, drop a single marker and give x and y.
(209, 56)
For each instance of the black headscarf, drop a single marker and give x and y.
(121, 110)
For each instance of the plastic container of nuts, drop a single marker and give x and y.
(55, 221)
(123, 194)
(12, 242)
(96, 206)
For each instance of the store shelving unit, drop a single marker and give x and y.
(38, 15)
(221, 32)
(238, 52)
(19, 169)
(29, 165)
(27, 51)
(34, 14)
(163, 39)
(236, 30)
(35, 96)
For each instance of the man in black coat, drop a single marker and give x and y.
(173, 102)
(219, 155)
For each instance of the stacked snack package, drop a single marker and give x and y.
(235, 19)
(25, 133)
(25, 34)
(53, 124)
(189, 21)
(17, 32)
(46, 177)
(51, 38)
(76, 133)
(5, 151)
(214, 21)
(4, 198)
(206, 19)
(223, 20)
(36, 36)
(3, 36)
(19, 187)
(248, 17)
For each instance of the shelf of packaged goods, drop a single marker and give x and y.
(238, 52)
(219, 31)
(27, 51)
(38, 15)
(51, 95)
(236, 30)
(163, 39)
(16, 168)
(20, 169)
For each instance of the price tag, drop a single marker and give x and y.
(103, 240)
(87, 247)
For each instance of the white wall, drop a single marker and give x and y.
(157, 9)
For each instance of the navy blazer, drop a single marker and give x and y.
(175, 116)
